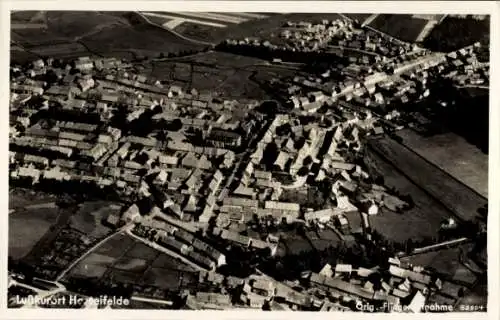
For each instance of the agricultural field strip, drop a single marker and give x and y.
(459, 198)
(172, 24)
(369, 19)
(214, 16)
(17, 26)
(170, 17)
(246, 14)
(426, 30)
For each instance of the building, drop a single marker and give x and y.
(322, 216)
(343, 269)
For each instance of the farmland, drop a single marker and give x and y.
(454, 155)
(69, 34)
(32, 216)
(122, 259)
(26, 228)
(218, 72)
(88, 219)
(457, 197)
(401, 26)
(423, 220)
(358, 16)
(454, 33)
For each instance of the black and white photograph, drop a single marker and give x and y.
(274, 161)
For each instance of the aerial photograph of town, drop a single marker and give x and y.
(248, 160)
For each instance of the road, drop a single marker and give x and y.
(436, 247)
(143, 299)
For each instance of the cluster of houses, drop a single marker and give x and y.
(464, 67)
(338, 36)
(64, 131)
(399, 287)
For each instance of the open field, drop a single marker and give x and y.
(454, 33)
(93, 266)
(116, 246)
(423, 220)
(162, 277)
(19, 198)
(142, 251)
(401, 26)
(131, 264)
(204, 26)
(164, 261)
(452, 154)
(27, 228)
(358, 16)
(60, 50)
(445, 261)
(457, 197)
(88, 219)
(34, 213)
(99, 33)
(26, 16)
(77, 24)
(220, 73)
(126, 260)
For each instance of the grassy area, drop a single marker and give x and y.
(423, 220)
(22, 57)
(75, 24)
(27, 228)
(358, 16)
(131, 264)
(125, 260)
(452, 154)
(217, 72)
(88, 219)
(401, 26)
(28, 225)
(199, 32)
(116, 246)
(93, 266)
(457, 197)
(19, 198)
(142, 251)
(101, 33)
(162, 277)
(445, 261)
(454, 33)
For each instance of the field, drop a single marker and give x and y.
(358, 16)
(401, 26)
(454, 33)
(27, 228)
(126, 260)
(423, 220)
(454, 155)
(221, 73)
(100, 33)
(89, 217)
(457, 197)
(445, 261)
(93, 266)
(32, 216)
